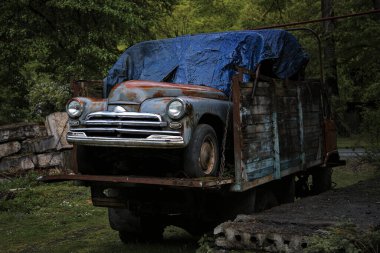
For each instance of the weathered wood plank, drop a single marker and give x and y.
(290, 163)
(288, 124)
(255, 101)
(258, 147)
(260, 91)
(248, 158)
(258, 128)
(257, 136)
(282, 91)
(290, 131)
(260, 173)
(257, 165)
(253, 119)
(312, 129)
(313, 136)
(312, 107)
(249, 85)
(265, 109)
(312, 157)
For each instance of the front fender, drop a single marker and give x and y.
(205, 106)
(196, 109)
(91, 105)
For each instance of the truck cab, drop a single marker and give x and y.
(154, 115)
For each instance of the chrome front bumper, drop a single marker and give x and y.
(125, 129)
(152, 141)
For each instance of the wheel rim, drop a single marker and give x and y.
(207, 156)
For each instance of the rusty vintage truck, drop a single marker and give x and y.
(193, 130)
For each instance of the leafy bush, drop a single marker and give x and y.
(46, 97)
(206, 244)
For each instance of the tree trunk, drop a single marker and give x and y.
(330, 61)
(376, 4)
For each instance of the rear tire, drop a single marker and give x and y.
(133, 228)
(321, 178)
(201, 156)
(285, 190)
(265, 199)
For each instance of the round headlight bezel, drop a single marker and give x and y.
(77, 105)
(180, 113)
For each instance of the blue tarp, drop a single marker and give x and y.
(208, 59)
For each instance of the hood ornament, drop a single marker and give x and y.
(119, 109)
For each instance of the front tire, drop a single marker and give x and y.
(201, 156)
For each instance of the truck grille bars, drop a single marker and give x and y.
(126, 129)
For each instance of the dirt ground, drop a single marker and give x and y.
(287, 226)
(359, 204)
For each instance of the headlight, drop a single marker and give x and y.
(74, 108)
(176, 109)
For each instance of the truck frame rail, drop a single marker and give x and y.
(209, 182)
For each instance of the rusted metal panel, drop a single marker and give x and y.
(139, 91)
(237, 79)
(330, 135)
(177, 182)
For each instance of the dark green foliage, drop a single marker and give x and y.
(49, 43)
(45, 44)
(207, 244)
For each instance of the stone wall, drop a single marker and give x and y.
(30, 146)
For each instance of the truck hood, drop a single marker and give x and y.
(137, 91)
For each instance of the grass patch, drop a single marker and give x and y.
(345, 238)
(37, 217)
(354, 141)
(352, 173)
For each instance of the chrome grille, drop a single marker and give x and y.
(123, 125)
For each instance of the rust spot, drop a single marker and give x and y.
(214, 94)
(157, 85)
(330, 135)
(96, 99)
(131, 96)
(158, 94)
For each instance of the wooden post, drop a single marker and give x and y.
(237, 129)
(330, 60)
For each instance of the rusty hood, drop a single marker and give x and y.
(138, 91)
